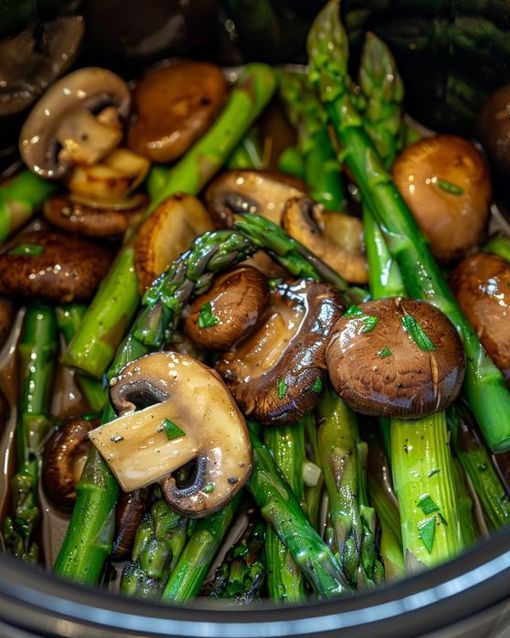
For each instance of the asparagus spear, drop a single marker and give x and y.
(313, 494)
(107, 318)
(499, 246)
(247, 154)
(287, 444)
(37, 350)
(484, 386)
(20, 198)
(322, 172)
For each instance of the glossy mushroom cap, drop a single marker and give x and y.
(395, 357)
(229, 310)
(277, 373)
(173, 106)
(493, 129)
(481, 284)
(446, 184)
(53, 266)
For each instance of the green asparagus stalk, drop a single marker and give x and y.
(110, 313)
(68, 320)
(484, 385)
(159, 542)
(247, 154)
(20, 198)
(499, 246)
(287, 444)
(322, 172)
(191, 569)
(313, 494)
(465, 506)
(339, 458)
(291, 162)
(281, 508)
(477, 464)
(37, 350)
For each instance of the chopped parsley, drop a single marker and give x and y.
(370, 321)
(172, 430)
(427, 532)
(206, 317)
(427, 504)
(27, 250)
(210, 487)
(448, 187)
(385, 352)
(317, 385)
(281, 387)
(417, 333)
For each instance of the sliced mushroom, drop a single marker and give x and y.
(260, 192)
(276, 374)
(306, 222)
(481, 284)
(112, 180)
(173, 106)
(395, 357)
(190, 415)
(64, 457)
(229, 310)
(77, 121)
(92, 220)
(493, 129)
(52, 266)
(6, 319)
(446, 184)
(128, 516)
(166, 234)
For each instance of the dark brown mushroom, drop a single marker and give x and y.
(493, 129)
(276, 374)
(52, 266)
(92, 220)
(229, 310)
(128, 516)
(6, 318)
(64, 457)
(190, 416)
(446, 183)
(173, 106)
(306, 221)
(78, 121)
(260, 192)
(481, 284)
(395, 357)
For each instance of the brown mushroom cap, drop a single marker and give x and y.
(111, 220)
(63, 460)
(52, 266)
(62, 129)
(206, 426)
(173, 106)
(128, 516)
(481, 284)
(446, 184)
(380, 368)
(228, 310)
(260, 192)
(6, 319)
(493, 128)
(276, 374)
(306, 221)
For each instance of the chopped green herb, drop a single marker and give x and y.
(427, 504)
(448, 187)
(353, 311)
(385, 352)
(443, 519)
(282, 389)
(27, 250)
(370, 323)
(417, 333)
(172, 430)
(210, 487)
(426, 532)
(356, 313)
(317, 385)
(206, 318)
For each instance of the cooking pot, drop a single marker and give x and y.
(451, 57)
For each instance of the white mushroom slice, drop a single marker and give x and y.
(192, 416)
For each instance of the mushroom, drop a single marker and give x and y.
(493, 129)
(260, 192)
(52, 266)
(190, 415)
(64, 457)
(128, 516)
(94, 219)
(306, 221)
(446, 183)
(395, 357)
(77, 121)
(173, 106)
(481, 284)
(276, 374)
(229, 310)
(6, 319)
(166, 234)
